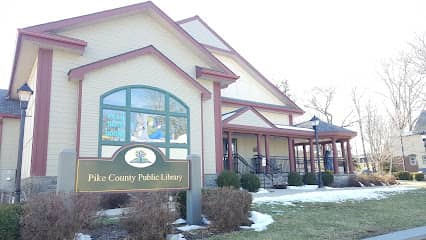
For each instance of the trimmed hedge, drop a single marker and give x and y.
(403, 175)
(327, 178)
(294, 179)
(228, 179)
(250, 182)
(310, 179)
(418, 176)
(9, 221)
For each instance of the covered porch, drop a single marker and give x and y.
(252, 147)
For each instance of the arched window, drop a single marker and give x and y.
(143, 114)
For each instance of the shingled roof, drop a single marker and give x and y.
(324, 127)
(421, 123)
(8, 107)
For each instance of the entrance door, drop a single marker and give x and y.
(234, 148)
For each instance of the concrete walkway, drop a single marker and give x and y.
(418, 233)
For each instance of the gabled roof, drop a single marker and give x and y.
(421, 123)
(52, 28)
(227, 118)
(79, 72)
(231, 52)
(8, 108)
(325, 127)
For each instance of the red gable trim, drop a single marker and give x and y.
(127, 10)
(44, 38)
(7, 115)
(242, 111)
(223, 78)
(274, 89)
(79, 72)
(264, 106)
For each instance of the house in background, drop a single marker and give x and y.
(132, 74)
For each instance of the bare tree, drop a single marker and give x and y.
(284, 86)
(321, 100)
(378, 137)
(356, 100)
(419, 53)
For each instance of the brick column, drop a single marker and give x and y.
(305, 159)
(311, 155)
(230, 156)
(335, 162)
(267, 152)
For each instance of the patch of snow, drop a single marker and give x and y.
(204, 220)
(179, 221)
(178, 236)
(304, 187)
(260, 221)
(188, 228)
(261, 190)
(360, 184)
(116, 212)
(81, 236)
(333, 195)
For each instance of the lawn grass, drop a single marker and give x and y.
(349, 220)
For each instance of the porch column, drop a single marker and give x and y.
(335, 162)
(267, 152)
(258, 144)
(291, 155)
(350, 163)
(311, 155)
(305, 159)
(230, 156)
(345, 160)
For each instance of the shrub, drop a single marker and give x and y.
(250, 182)
(327, 178)
(309, 179)
(181, 203)
(373, 179)
(52, 216)
(418, 176)
(403, 175)
(9, 221)
(151, 217)
(226, 208)
(228, 179)
(114, 200)
(294, 179)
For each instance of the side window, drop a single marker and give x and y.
(413, 159)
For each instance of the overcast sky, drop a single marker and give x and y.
(310, 43)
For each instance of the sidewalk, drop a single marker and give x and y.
(418, 233)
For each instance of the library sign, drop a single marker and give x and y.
(136, 167)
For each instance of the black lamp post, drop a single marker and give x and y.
(24, 93)
(315, 123)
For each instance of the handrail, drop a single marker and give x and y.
(239, 158)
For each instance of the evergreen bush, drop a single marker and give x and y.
(403, 175)
(250, 182)
(309, 179)
(228, 179)
(114, 200)
(294, 179)
(327, 178)
(418, 176)
(181, 203)
(9, 221)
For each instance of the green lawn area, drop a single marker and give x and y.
(349, 220)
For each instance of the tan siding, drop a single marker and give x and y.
(9, 143)
(249, 118)
(145, 70)
(29, 125)
(276, 118)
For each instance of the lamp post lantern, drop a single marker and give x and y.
(315, 123)
(24, 93)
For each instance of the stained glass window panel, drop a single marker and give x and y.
(113, 125)
(178, 130)
(147, 127)
(116, 98)
(147, 99)
(176, 106)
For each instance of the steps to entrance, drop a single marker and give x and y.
(268, 181)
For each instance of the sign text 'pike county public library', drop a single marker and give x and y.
(136, 167)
